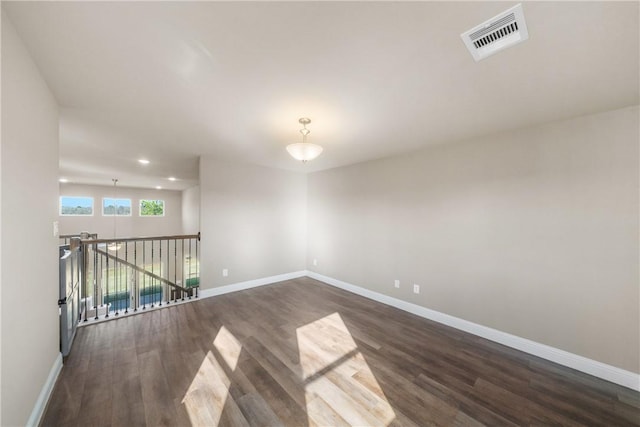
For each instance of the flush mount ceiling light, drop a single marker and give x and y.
(304, 150)
(143, 161)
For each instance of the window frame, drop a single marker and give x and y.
(93, 211)
(164, 208)
(116, 213)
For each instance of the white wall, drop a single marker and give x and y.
(253, 222)
(191, 210)
(126, 226)
(532, 232)
(29, 188)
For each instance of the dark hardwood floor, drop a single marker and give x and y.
(301, 353)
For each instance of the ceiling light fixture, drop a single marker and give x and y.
(143, 161)
(304, 150)
(63, 180)
(172, 178)
(158, 187)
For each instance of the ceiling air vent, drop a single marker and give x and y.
(500, 32)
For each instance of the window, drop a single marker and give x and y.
(76, 205)
(109, 206)
(151, 207)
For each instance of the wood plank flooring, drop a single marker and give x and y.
(301, 353)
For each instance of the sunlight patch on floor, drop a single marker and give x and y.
(340, 388)
(228, 347)
(206, 396)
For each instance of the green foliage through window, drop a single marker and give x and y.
(152, 207)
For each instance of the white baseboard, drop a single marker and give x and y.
(241, 286)
(203, 293)
(573, 361)
(592, 367)
(45, 393)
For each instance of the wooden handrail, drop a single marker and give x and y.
(68, 236)
(138, 239)
(139, 269)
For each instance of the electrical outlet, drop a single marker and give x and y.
(315, 262)
(416, 289)
(225, 272)
(396, 283)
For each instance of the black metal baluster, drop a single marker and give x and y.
(167, 275)
(153, 279)
(85, 256)
(144, 276)
(161, 275)
(175, 267)
(99, 287)
(182, 267)
(126, 279)
(76, 284)
(135, 277)
(189, 275)
(71, 261)
(95, 280)
(116, 279)
(107, 303)
(197, 265)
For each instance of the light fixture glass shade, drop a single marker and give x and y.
(304, 151)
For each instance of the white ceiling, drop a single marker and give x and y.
(171, 81)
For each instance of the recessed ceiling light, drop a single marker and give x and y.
(143, 161)
(172, 178)
(158, 187)
(63, 180)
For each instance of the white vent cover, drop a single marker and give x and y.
(500, 32)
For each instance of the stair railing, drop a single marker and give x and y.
(65, 239)
(131, 274)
